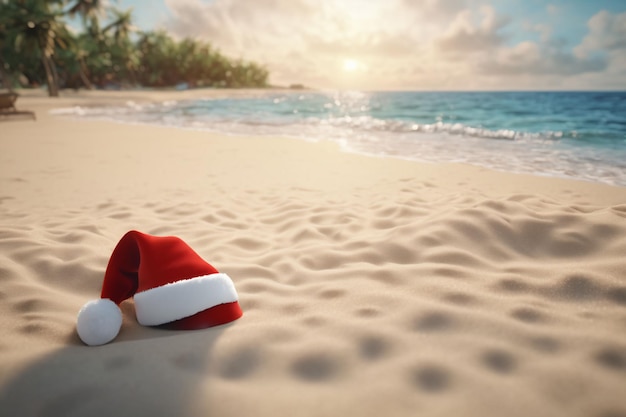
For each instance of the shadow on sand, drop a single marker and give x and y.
(144, 372)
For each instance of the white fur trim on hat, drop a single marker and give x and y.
(98, 322)
(183, 298)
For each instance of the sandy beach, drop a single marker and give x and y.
(370, 286)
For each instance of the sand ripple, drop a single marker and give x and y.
(439, 303)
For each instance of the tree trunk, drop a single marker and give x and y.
(6, 80)
(132, 74)
(55, 76)
(82, 72)
(53, 89)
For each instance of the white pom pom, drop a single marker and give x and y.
(98, 322)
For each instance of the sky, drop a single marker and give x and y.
(410, 44)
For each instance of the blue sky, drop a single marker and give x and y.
(408, 44)
(567, 18)
(147, 14)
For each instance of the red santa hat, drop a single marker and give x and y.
(171, 285)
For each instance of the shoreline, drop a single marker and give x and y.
(37, 100)
(368, 285)
(40, 98)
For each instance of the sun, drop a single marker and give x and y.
(351, 65)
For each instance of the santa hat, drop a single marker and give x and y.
(171, 285)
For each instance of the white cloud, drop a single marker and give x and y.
(465, 35)
(301, 38)
(480, 45)
(530, 58)
(606, 32)
(435, 11)
(401, 43)
(606, 39)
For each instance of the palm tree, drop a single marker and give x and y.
(4, 39)
(158, 65)
(33, 28)
(89, 11)
(86, 9)
(34, 38)
(121, 26)
(72, 60)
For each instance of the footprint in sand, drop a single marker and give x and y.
(315, 368)
(499, 361)
(432, 378)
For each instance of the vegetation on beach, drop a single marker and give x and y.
(37, 47)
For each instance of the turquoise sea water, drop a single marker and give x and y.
(578, 135)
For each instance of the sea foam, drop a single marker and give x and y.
(516, 132)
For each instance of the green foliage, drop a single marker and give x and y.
(164, 61)
(36, 46)
(31, 29)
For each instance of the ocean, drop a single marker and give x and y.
(579, 135)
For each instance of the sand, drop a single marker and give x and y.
(369, 286)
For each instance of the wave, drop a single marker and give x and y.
(460, 129)
(570, 154)
(190, 116)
